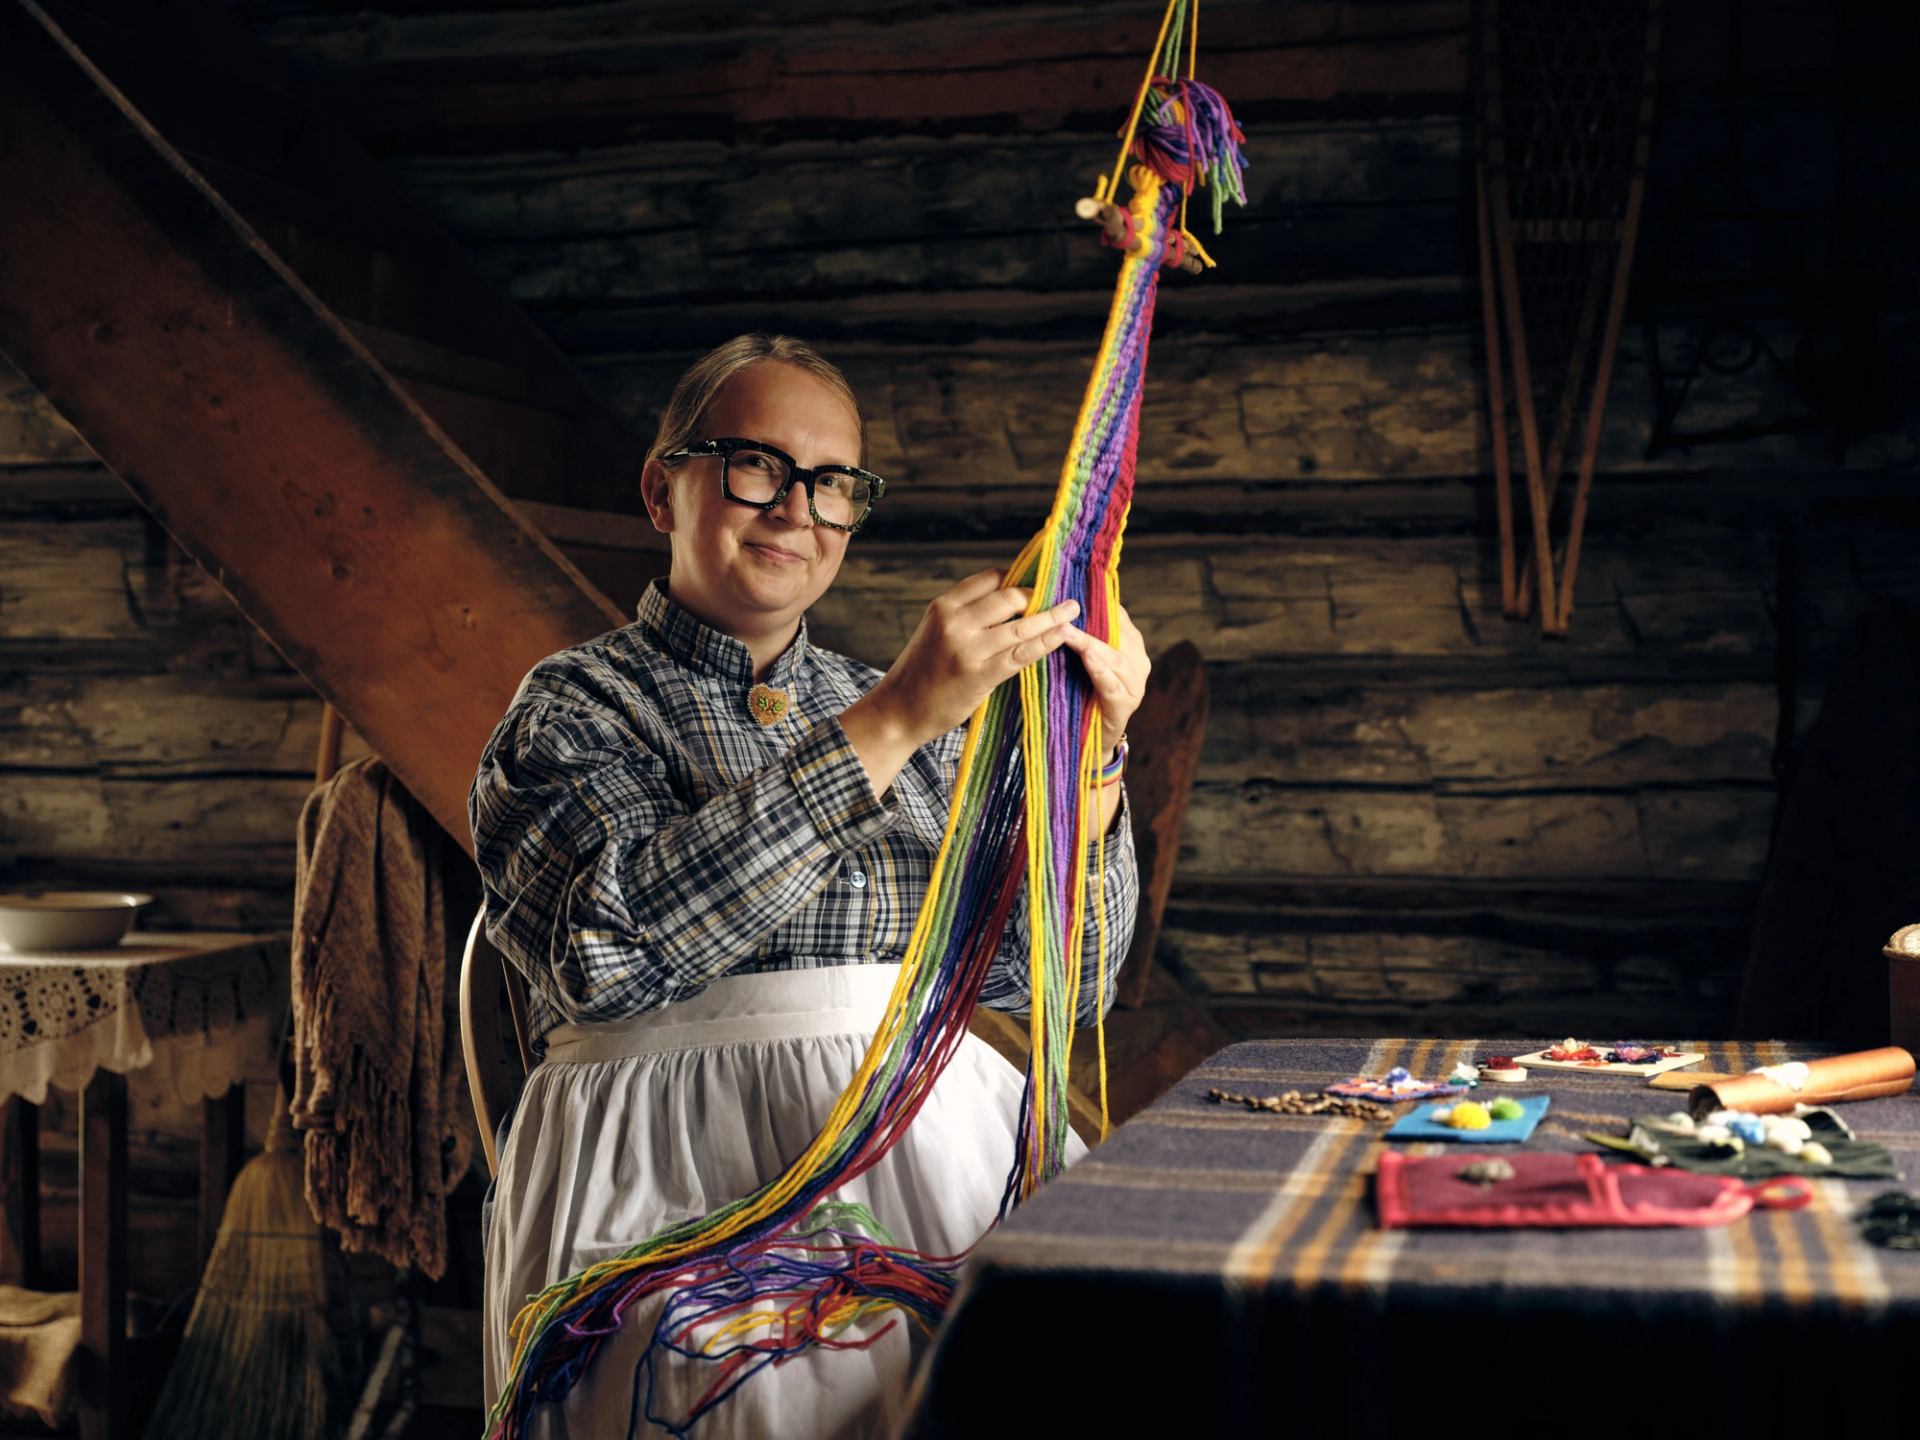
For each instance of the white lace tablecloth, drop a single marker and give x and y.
(195, 1012)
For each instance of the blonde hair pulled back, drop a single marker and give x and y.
(697, 389)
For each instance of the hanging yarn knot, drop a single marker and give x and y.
(1191, 140)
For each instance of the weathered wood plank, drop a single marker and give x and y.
(245, 825)
(1373, 200)
(1653, 959)
(903, 188)
(239, 828)
(1699, 592)
(1571, 914)
(1267, 726)
(117, 579)
(993, 419)
(1246, 832)
(628, 67)
(1043, 250)
(1213, 307)
(109, 593)
(154, 725)
(1229, 427)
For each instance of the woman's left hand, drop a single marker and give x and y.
(1118, 672)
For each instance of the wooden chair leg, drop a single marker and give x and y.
(20, 1191)
(102, 1388)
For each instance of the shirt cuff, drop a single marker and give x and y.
(833, 786)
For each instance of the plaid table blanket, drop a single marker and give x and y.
(1215, 1270)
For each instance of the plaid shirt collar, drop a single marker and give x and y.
(706, 651)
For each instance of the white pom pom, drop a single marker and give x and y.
(1798, 1131)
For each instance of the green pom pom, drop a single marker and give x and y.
(1505, 1109)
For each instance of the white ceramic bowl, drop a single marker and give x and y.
(67, 919)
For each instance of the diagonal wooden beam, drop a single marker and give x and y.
(260, 431)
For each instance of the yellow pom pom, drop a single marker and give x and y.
(1468, 1115)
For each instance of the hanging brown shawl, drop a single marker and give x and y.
(378, 1088)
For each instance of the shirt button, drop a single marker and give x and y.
(857, 879)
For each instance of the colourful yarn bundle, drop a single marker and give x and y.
(786, 1268)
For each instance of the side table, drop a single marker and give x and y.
(198, 1013)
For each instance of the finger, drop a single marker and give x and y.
(981, 582)
(1060, 614)
(1084, 645)
(996, 607)
(1080, 642)
(1001, 644)
(1028, 627)
(1098, 658)
(1018, 657)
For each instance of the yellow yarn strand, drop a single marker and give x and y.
(1108, 188)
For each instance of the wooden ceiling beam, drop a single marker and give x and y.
(263, 435)
(236, 113)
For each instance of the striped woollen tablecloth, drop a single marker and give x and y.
(1211, 1270)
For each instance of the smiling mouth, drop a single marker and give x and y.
(775, 551)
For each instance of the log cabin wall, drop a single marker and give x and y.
(1412, 814)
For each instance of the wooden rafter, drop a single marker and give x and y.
(262, 433)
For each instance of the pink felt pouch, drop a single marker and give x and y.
(1564, 1191)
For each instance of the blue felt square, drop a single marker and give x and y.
(1420, 1124)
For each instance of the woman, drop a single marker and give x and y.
(705, 840)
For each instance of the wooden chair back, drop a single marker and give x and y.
(493, 1033)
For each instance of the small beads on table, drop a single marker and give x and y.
(1294, 1103)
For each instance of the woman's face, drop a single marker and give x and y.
(745, 571)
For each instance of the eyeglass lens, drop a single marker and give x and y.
(756, 477)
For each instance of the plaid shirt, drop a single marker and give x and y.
(639, 834)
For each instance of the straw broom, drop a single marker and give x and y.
(257, 1354)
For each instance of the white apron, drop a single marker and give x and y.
(629, 1126)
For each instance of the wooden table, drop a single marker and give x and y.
(1216, 1271)
(199, 1013)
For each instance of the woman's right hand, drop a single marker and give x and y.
(971, 638)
